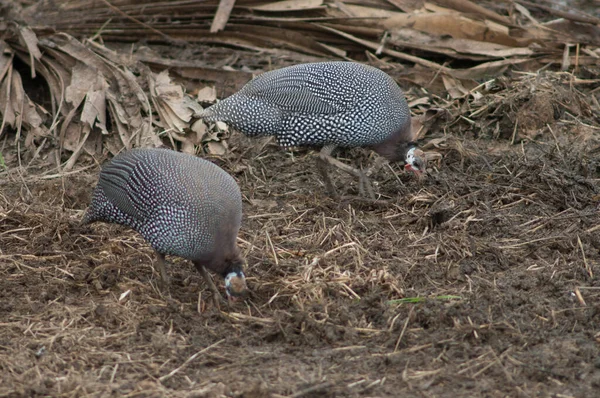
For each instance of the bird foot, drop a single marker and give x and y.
(322, 168)
(365, 188)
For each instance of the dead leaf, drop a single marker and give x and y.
(222, 126)
(264, 204)
(369, 12)
(94, 109)
(173, 106)
(188, 147)
(29, 39)
(6, 58)
(289, 5)
(222, 15)
(83, 79)
(454, 87)
(452, 24)
(72, 136)
(8, 113)
(419, 101)
(469, 7)
(217, 148)
(200, 130)
(207, 95)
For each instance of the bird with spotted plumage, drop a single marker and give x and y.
(328, 105)
(182, 205)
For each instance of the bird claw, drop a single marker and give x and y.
(364, 184)
(322, 168)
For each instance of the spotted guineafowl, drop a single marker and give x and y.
(328, 105)
(182, 205)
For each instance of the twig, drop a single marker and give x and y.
(272, 247)
(585, 262)
(404, 328)
(190, 359)
(579, 296)
(555, 140)
(514, 135)
(582, 17)
(222, 15)
(312, 389)
(145, 25)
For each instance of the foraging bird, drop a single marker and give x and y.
(182, 205)
(327, 104)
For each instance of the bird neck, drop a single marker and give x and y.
(395, 147)
(233, 265)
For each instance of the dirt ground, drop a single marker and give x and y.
(494, 258)
(480, 280)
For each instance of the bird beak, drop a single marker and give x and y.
(408, 167)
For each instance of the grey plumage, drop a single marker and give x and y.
(346, 104)
(326, 104)
(182, 205)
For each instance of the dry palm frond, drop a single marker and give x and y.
(90, 92)
(98, 98)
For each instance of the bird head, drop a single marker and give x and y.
(235, 284)
(415, 161)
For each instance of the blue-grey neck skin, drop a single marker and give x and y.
(233, 274)
(404, 149)
(234, 265)
(412, 158)
(235, 280)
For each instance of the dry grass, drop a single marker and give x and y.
(481, 280)
(496, 255)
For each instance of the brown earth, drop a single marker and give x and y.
(500, 242)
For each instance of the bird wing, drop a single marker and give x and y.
(115, 181)
(296, 94)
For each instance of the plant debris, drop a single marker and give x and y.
(481, 279)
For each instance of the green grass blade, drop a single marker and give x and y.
(415, 300)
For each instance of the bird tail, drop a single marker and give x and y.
(94, 210)
(240, 113)
(205, 114)
(214, 113)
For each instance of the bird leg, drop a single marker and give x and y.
(364, 185)
(161, 263)
(378, 164)
(217, 298)
(322, 167)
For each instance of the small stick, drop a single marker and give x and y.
(137, 21)
(339, 248)
(595, 228)
(585, 262)
(579, 297)
(190, 359)
(555, 139)
(200, 302)
(272, 247)
(312, 389)
(404, 328)
(512, 141)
